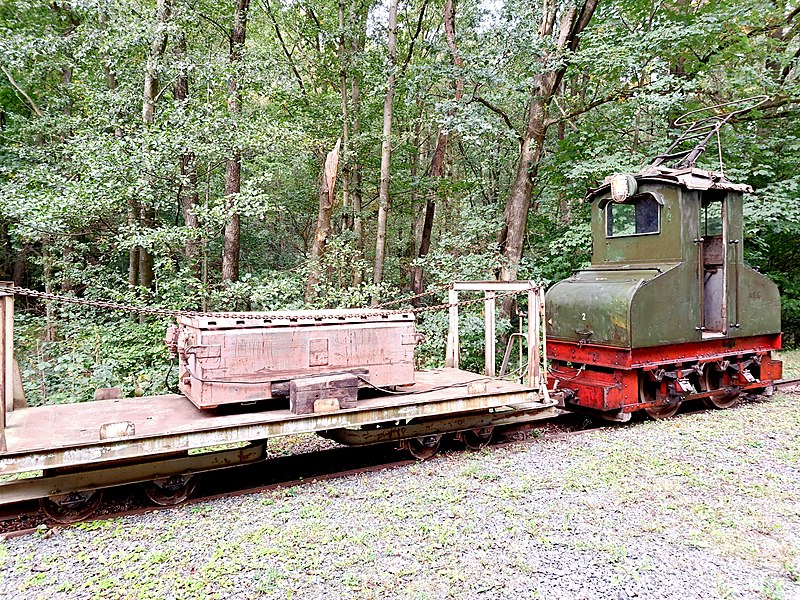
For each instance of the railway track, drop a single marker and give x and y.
(310, 466)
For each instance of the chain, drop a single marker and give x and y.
(435, 290)
(166, 312)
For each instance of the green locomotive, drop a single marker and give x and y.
(668, 310)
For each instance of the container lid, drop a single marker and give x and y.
(296, 318)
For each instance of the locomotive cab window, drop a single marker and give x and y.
(638, 215)
(712, 218)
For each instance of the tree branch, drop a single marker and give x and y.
(594, 104)
(414, 38)
(286, 52)
(224, 31)
(496, 110)
(16, 86)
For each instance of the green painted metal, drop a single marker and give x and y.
(647, 290)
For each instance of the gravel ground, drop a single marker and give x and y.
(702, 506)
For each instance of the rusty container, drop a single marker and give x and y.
(233, 361)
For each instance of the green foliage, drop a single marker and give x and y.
(84, 356)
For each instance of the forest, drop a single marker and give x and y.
(285, 154)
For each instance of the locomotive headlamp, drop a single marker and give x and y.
(622, 187)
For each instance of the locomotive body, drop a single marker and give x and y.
(668, 310)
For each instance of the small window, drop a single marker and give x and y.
(637, 216)
(712, 219)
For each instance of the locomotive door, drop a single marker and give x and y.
(713, 264)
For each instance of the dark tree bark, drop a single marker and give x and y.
(437, 161)
(189, 195)
(20, 266)
(8, 252)
(562, 23)
(233, 166)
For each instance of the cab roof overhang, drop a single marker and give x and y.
(689, 178)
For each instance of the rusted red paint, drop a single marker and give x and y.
(607, 379)
(634, 358)
(230, 361)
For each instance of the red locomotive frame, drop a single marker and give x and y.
(607, 378)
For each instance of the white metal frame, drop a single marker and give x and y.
(535, 332)
(6, 357)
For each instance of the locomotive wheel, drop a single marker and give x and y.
(71, 507)
(647, 393)
(171, 491)
(478, 438)
(662, 412)
(422, 448)
(725, 399)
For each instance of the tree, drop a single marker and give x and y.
(561, 24)
(442, 139)
(384, 199)
(144, 212)
(233, 165)
(327, 193)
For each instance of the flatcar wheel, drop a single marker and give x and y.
(422, 448)
(478, 438)
(71, 507)
(725, 399)
(647, 394)
(171, 491)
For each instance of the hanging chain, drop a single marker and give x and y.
(435, 290)
(166, 312)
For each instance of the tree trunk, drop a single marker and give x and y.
(145, 213)
(189, 193)
(355, 167)
(572, 20)
(20, 266)
(157, 47)
(47, 278)
(386, 149)
(417, 283)
(8, 251)
(344, 60)
(327, 191)
(233, 166)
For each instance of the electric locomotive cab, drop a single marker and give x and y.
(668, 310)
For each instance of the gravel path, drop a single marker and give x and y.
(703, 506)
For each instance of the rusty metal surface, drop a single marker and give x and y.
(633, 358)
(230, 361)
(115, 475)
(532, 412)
(62, 435)
(295, 318)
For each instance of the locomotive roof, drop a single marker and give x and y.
(690, 178)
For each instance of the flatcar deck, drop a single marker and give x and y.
(88, 433)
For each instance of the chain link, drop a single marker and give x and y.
(166, 312)
(435, 290)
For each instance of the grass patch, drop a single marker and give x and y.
(791, 362)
